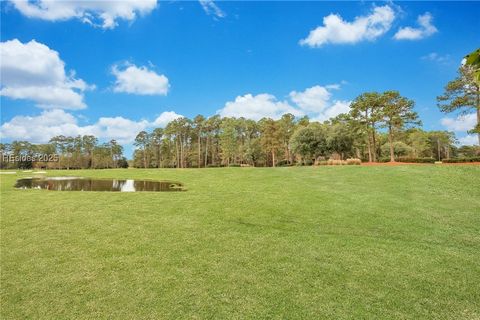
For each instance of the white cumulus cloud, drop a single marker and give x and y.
(425, 29)
(314, 99)
(460, 123)
(139, 80)
(163, 119)
(468, 140)
(333, 110)
(335, 30)
(119, 128)
(41, 128)
(98, 13)
(33, 71)
(316, 102)
(50, 123)
(257, 107)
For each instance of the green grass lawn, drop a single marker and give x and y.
(343, 242)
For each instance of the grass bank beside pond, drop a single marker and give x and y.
(348, 242)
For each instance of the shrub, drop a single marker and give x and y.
(354, 161)
(305, 163)
(234, 165)
(399, 149)
(409, 160)
(332, 162)
(283, 163)
(416, 160)
(461, 160)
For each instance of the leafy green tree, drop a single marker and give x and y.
(199, 124)
(419, 142)
(441, 142)
(396, 112)
(366, 110)
(20, 149)
(89, 142)
(185, 142)
(156, 138)
(473, 60)
(228, 140)
(468, 151)
(303, 121)
(116, 152)
(463, 93)
(356, 132)
(180, 129)
(309, 142)
(286, 126)
(270, 138)
(142, 141)
(400, 149)
(213, 124)
(340, 139)
(251, 149)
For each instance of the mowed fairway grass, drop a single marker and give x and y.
(349, 242)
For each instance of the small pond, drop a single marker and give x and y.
(87, 184)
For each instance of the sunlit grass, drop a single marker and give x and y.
(313, 242)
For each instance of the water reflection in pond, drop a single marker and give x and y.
(86, 184)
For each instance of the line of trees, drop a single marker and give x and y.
(80, 152)
(379, 127)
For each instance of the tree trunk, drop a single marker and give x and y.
(144, 157)
(177, 152)
(478, 113)
(368, 138)
(273, 158)
(374, 144)
(181, 151)
(390, 139)
(369, 149)
(438, 150)
(478, 117)
(199, 150)
(287, 152)
(206, 151)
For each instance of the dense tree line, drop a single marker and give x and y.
(80, 152)
(379, 127)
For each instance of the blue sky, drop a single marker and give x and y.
(137, 71)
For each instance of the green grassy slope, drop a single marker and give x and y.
(327, 242)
